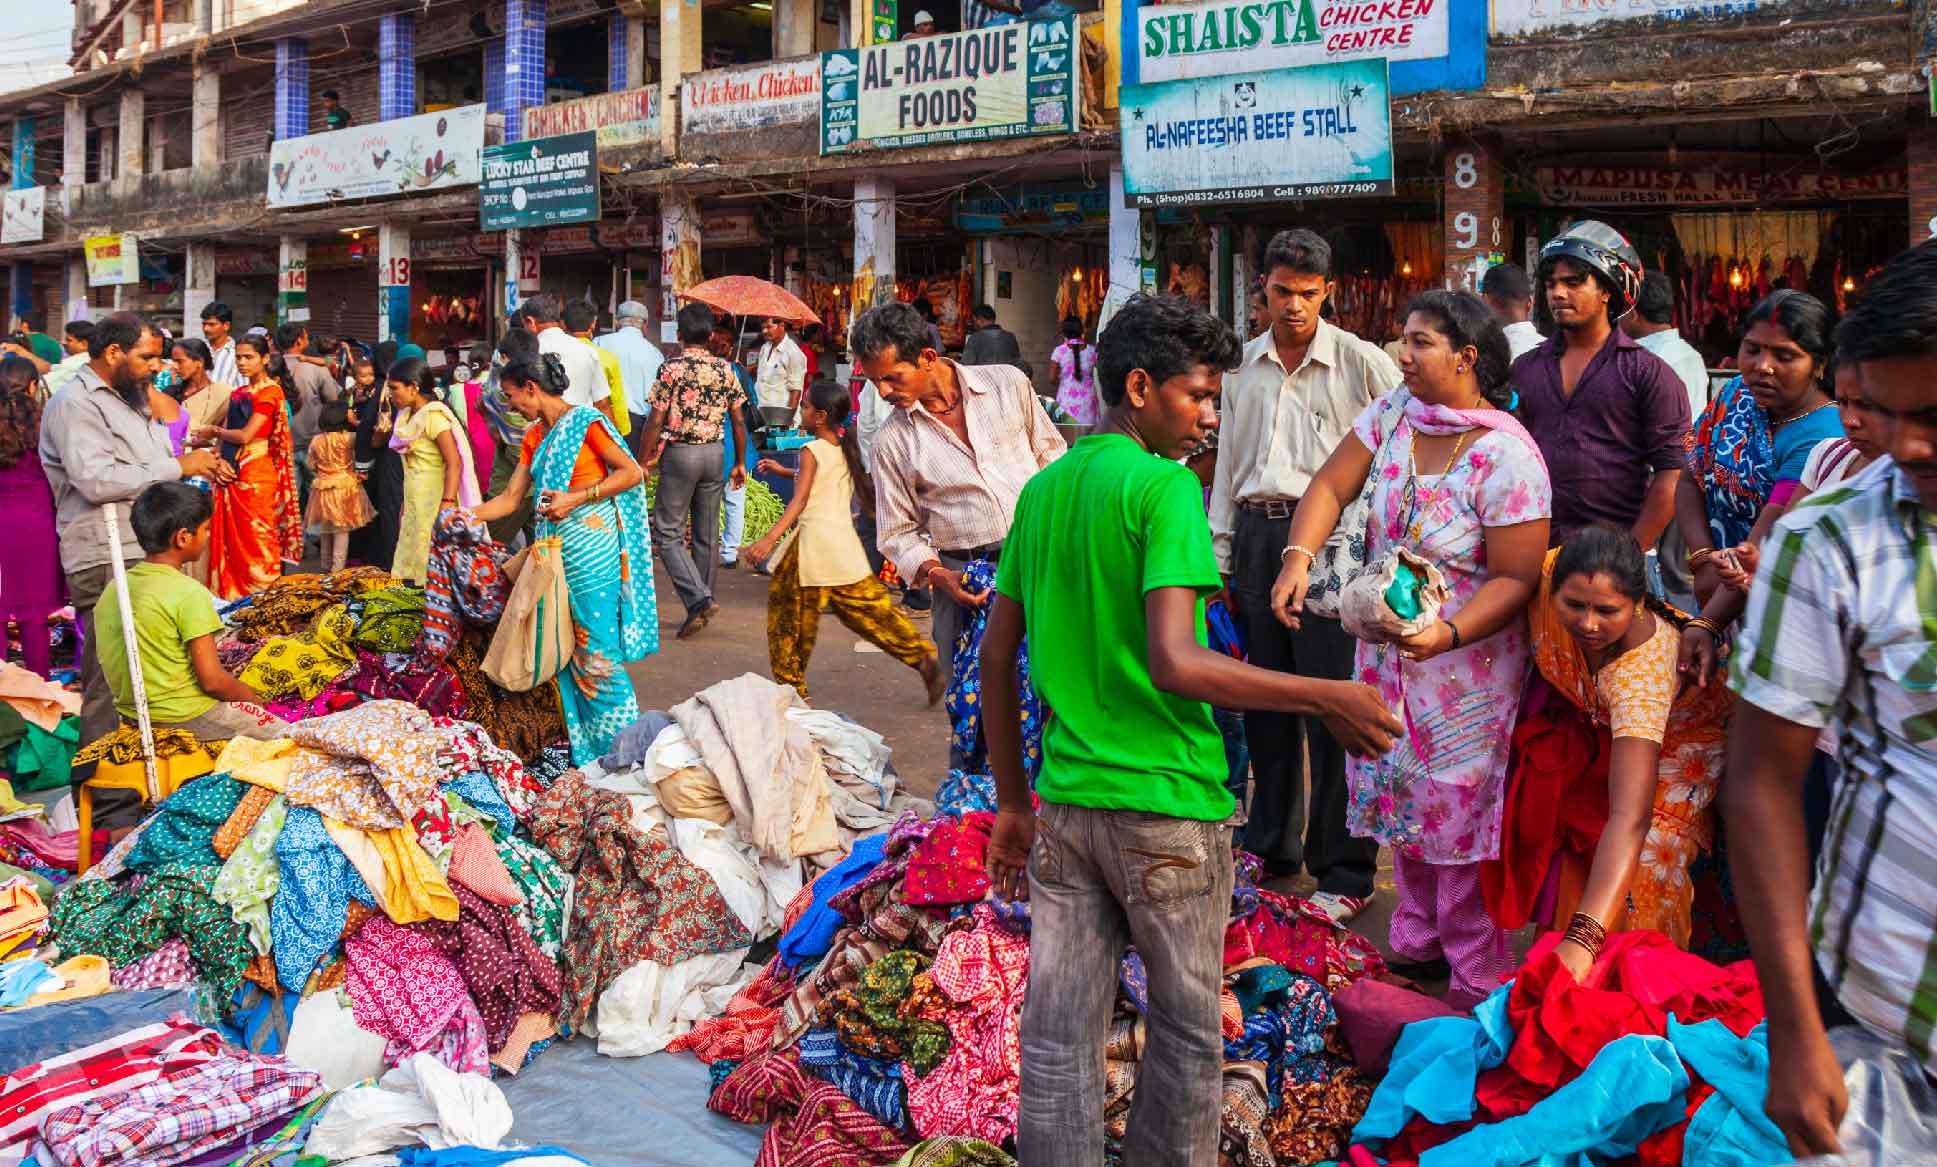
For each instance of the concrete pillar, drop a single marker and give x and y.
(679, 240)
(1475, 226)
(136, 32)
(874, 242)
(1244, 273)
(393, 282)
(679, 54)
(1220, 248)
(76, 297)
(524, 63)
(292, 280)
(1126, 250)
(1922, 149)
(292, 88)
(74, 143)
(106, 157)
(794, 24)
(396, 65)
(205, 116)
(133, 159)
(157, 150)
(521, 270)
(638, 64)
(198, 283)
(204, 17)
(793, 276)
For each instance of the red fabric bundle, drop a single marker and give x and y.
(1556, 802)
(947, 866)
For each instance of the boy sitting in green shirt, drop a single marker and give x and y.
(1106, 568)
(175, 627)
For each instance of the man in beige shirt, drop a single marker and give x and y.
(1285, 409)
(951, 461)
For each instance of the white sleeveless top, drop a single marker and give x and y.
(831, 554)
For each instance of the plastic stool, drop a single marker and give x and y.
(171, 774)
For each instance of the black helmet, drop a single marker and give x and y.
(1602, 249)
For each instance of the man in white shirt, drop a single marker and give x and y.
(1652, 325)
(216, 322)
(1507, 291)
(1295, 397)
(584, 374)
(782, 375)
(639, 361)
(74, 341)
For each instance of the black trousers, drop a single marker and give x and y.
(1287, 792)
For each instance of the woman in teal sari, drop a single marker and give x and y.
(590, 497)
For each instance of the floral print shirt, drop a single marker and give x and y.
(1436, 794)
(696, 390)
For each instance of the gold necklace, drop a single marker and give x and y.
(1412, 479)
(1776, 425)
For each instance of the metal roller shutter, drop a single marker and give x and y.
(343, 302)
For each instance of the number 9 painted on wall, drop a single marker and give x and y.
(1466, 229)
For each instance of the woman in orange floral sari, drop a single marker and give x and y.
(257, 525)
(1613, 656)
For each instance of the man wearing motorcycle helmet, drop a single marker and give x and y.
(1610, 416)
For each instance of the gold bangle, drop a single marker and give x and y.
(1587, 932)
(1700, 556)
(1706, 625)
(595, 489)
(1310, 555)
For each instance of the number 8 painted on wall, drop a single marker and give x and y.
(1466, 174)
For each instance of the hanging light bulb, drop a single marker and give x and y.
(1849, 285)
(1076, 277)
(1405, 269)
(1735, 277)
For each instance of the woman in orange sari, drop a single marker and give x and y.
(1609, 653)
(257, 526)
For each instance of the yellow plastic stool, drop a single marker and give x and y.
(171, 774)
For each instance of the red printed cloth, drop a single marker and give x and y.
(1296, 933)
(983, 971)
(747, 1026)
(500, 963)
(401, 987)
(947, 866)
(813, 1124)
(476, 864)
(109, 1066)
(178, 1116)
(165, 967)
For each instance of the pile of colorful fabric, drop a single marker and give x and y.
(39, 728)
(313, 645)
(889, 1021)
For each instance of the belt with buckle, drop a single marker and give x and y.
(1270, 508)
(989, 551)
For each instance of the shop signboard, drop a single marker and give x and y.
(23, 216)
(1010, 81)
(1033, 207)
(1658, 186)
(1218, 37)
(427, 152)
(540, 182)
(629, 117)
(111, 260)
(1319, 132)
(777, 93)
(1529, 17)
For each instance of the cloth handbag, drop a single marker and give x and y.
(535, 635)
(1366, 605)
(1342, 557)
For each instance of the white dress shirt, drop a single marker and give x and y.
(1523, 337)
(1280, 426)
(583, 369)
(1687, 363)
(224, 369)
(782, 372)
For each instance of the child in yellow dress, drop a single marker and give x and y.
(337, 501)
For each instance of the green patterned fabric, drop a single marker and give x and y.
(252, 876)
(869, 1018)
(103, 918)
(546, 887)
(955, 1151)
(183, 829)
(390, 620)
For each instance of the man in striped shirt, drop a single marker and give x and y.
(1842, 628)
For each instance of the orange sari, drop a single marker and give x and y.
(257, 524)
(1628, 694)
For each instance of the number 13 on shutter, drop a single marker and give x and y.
(396, 272)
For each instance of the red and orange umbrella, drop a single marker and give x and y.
(751, 296)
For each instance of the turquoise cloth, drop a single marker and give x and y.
(1634, 1088)
(1730, 1129)
(1434, 1068)
(42, 760)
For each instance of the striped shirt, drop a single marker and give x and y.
(932, 493)
(1839, 630)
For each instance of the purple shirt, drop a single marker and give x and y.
(1628, 418)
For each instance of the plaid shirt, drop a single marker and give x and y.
(179, 1116)
(105, 1068)
(1839, 630)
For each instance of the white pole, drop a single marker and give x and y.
(113, 522)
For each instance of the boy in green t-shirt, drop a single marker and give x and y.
(1106, 568)
(175, 627)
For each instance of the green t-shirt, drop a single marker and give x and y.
(1094, 531)
(170, 610)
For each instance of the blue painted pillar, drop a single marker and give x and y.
(396, 66)
(524, 63)
(21, 280)
(494, 99)
(618, 75)
(292, 88)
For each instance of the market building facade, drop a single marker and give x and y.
(1047, 162)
